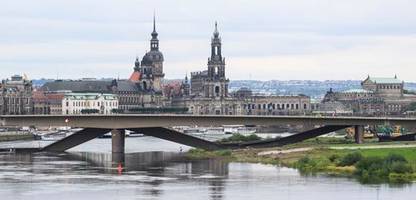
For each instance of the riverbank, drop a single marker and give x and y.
(395, 161)
(13, 136)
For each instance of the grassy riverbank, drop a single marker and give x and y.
(12, 136)
(383, 162)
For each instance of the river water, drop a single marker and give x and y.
(156, 169)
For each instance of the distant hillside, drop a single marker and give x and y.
(314, 89)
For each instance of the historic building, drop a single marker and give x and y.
(207, 93)
(212, 83)
(16, 96)
(89, 103)
(142, 90)
(378, 96)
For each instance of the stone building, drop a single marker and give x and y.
(16, 96)
(378, 96)
(212, 83)
(89, 103)
(48, 103)
(142, 90)
(384, 87)
(208, 94)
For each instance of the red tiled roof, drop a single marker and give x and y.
(135, 76)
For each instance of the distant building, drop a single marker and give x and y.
(16, 96)
(89, 103)
(212, 83)
(209, 95)
(142, 90)
(378, 96)
(384, 87)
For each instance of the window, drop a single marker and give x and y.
(217, 90)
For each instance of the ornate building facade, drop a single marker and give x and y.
(142, 90)
(212, 83)
(378, 96)
(209, 95)
(16, 96)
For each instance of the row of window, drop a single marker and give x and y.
(11, 100)
(389, 87)
(88, 104)
(272, 106)
(77, 111)
(357, 95)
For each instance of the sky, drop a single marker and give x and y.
(262, 39)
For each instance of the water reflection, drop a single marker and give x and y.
(164, 175)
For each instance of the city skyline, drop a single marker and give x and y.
(47, 40)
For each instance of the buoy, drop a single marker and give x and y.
(119, 168)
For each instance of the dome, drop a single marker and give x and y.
(152, 56)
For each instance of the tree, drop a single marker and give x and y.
(412, 107)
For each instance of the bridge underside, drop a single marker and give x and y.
(185, 139)
(277, 142)
(76, 139)
(178, 137)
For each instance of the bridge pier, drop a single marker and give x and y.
(117, 141)
(358, 134)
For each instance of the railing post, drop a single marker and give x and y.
(358, 134)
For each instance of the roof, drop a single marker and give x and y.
(78, 86)
(135, 76)
(357, 91)
(384, 80)
(90, 96)
(127, 86)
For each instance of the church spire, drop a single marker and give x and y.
(154, 33)
(216, 33)
(154, 42)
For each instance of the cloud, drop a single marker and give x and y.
(269, 39)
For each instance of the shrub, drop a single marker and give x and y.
(350, 159)
(393, 168)
(391, 158)
(400, 168)
(306, 165)
(224, 152)
(241, 138)
(333, 157)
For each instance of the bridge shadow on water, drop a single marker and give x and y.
(153, 169)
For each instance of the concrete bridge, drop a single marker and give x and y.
(158, 126)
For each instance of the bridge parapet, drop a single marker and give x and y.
(152, 120)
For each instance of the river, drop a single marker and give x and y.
(156, 169)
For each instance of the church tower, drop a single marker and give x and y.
(151, 68)
(217, 83)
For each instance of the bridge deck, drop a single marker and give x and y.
(153, 120)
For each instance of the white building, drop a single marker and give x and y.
(89, 103)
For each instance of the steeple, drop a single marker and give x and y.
(154, 42)
(216, 33)
(216, 45)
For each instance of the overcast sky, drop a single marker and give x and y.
(262, 39)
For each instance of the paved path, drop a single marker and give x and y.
(276, 152)
(295, 150)
(375, 146)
